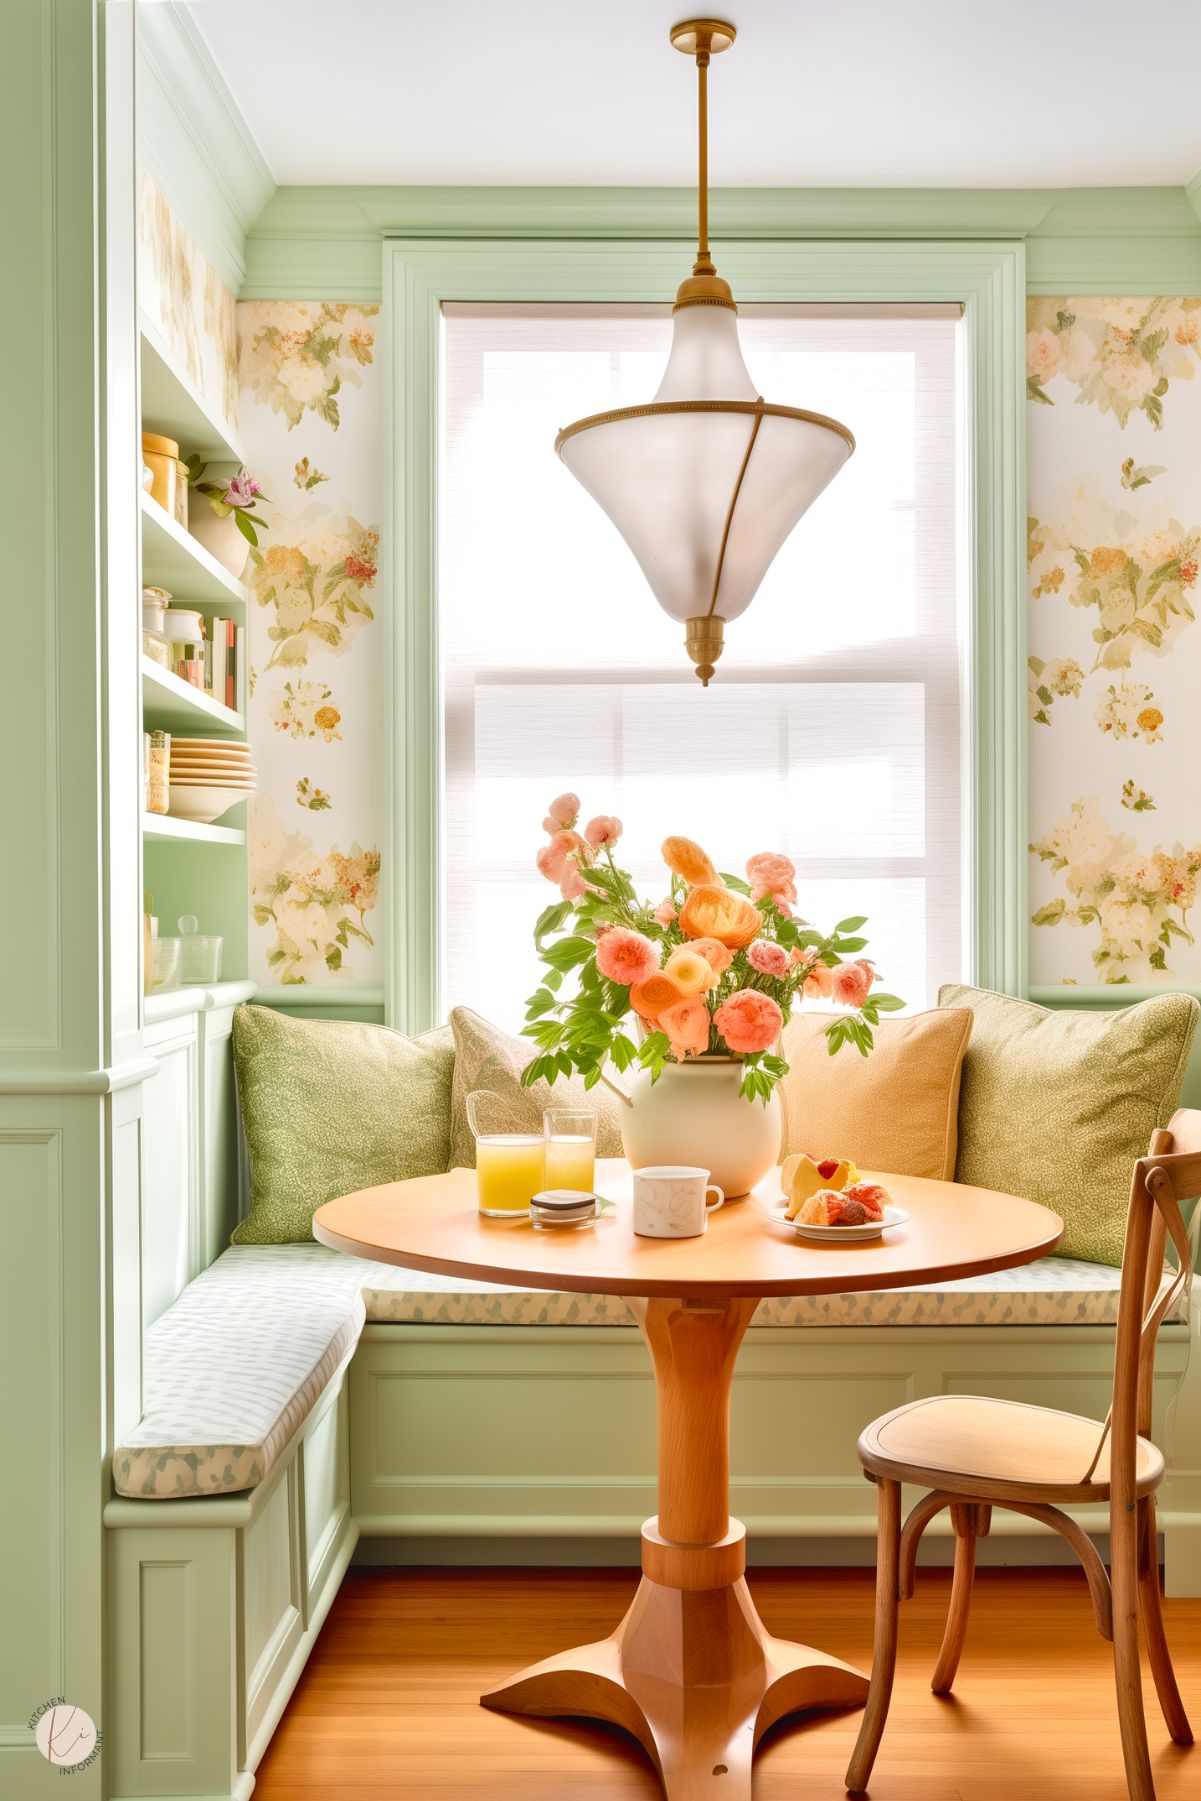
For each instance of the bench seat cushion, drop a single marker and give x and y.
(1055, 1291)
(235, 1365)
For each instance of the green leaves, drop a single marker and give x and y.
(736, 883)
(568, 953)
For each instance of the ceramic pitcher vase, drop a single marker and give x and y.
(694, 1114)
(221, 537)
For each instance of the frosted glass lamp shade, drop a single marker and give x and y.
(706, 482)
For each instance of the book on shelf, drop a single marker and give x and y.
(215, 664)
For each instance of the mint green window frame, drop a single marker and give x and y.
(986, 277)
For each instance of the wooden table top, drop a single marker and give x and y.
(433, 1223)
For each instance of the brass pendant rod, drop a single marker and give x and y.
(704, 263)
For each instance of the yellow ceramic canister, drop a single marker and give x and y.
(161, 457)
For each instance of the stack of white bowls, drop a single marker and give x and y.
(208, 777)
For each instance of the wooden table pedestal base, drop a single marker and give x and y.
(691, 1671)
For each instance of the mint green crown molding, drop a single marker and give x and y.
(987, 277)
(194, 141)
(321, 243)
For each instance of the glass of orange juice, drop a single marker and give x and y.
(570, 1147)
(509, 1166)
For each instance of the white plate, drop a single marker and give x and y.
(203, 804)
(893, 1216)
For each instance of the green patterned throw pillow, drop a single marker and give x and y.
(330, 1106)
(1058, 1104)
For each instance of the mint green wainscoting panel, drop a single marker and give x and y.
(63, 1050)
(170, 1221)
(173, 1660)
(496, 1433)
(986, 277)
(214, 1606)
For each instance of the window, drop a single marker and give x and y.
(833, 729)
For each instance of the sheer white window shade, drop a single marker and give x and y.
(832, 730)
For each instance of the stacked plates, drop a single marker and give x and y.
(208, 777)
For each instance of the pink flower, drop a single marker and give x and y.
(562, 813)
(241, 489)
(819, 982)
(768, 958)
(572, 884)
(602, 831)
(626, 957)
(665, 913)
(851, 982)
(772, 875)
(553, 859)
(687, 1025)
(749, 1022)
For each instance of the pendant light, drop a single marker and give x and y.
(705, 481)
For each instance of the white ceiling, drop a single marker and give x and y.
(870, 93)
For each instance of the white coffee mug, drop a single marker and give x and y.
(671, 1200)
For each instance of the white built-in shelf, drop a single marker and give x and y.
(173, 559)
(161, 828)
(172, 705)
(173, 405)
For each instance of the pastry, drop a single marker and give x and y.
(870, 1195)
(801, 1178)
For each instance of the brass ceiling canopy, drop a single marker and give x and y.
(705, 481)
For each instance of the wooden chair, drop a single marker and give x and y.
(973, 1454)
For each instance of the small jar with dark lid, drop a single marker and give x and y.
(559, 1207)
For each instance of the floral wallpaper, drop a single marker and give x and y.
(1114, 545)
(186, 301)
(312, 423)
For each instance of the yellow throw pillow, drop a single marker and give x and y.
(1057, 1104)
(486, 1057)
(894, 1112)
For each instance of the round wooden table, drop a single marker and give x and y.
(691, 1671)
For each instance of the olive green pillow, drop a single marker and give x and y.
(330, 1106)
(1058, 1104)
(486, 1057)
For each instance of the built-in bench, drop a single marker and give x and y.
(276, 1407)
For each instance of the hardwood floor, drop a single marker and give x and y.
(388, 1705)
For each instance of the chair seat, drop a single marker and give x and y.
(974, 1445)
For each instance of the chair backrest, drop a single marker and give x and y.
(1169, 1174)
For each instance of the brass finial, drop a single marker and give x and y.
(704, 642)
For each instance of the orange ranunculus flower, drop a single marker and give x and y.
(687, 1026)
(651, 997)
(718, 956)
(689, 862)
(715, 912)
(690, 970)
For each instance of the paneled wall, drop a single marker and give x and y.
(1114, 443)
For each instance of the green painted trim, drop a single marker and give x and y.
(1104, 996)
(1114, 265)
(301, 998)
(1193, 191)
(314, 243)
(194, 141)
(986, 277)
